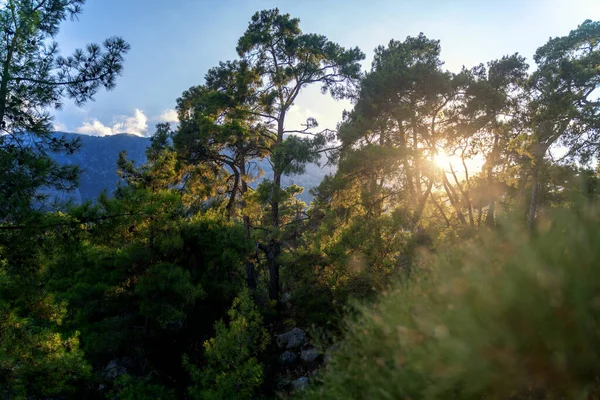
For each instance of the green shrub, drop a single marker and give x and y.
(232, 370)
(502, 316)
(36, 362)
(131, 388)
(39, 358)
(167, 294)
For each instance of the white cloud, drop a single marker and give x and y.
(136, 124)
(297, 117)
(312, 103)
(94, 128)
(169, 116)
(59, 127)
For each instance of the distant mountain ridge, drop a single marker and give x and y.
(98, 157)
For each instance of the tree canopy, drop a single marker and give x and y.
(452, 253)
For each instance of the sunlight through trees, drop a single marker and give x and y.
(450, 255)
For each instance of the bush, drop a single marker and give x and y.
(504, 316)
(39, 358)
(131, 388)
(232, 370)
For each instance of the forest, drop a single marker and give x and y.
(453, 254)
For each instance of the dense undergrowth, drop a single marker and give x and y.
(503, 315)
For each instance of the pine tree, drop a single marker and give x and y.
(279, 60)
(562, 106)
(35, 79)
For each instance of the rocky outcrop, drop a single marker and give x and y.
(116, 368)
(287, 357)
(299, 359)
(310, 355)
(291, 340)
(300, 383)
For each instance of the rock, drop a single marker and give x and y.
(287, 357)
(309, 355)
(286, 300)
(300, 383)
(283, 382)
(286, 297)
(293, 339)
(114, 369)
(296, 341)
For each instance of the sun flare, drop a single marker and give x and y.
(442, 159)
(447, 162)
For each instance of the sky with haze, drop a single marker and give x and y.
(174, 43)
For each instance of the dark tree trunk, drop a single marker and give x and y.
(422, 203)
(533, 199)
(274, 273)
(272, 251)
(251, 276)
(6, 77)
(453, 199)
(275, 199)
(231, 203)
(250, 269)
(489, 218)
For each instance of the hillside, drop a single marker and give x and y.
(98, 160)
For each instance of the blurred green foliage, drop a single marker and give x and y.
(502, 315)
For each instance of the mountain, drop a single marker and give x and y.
(98, 160)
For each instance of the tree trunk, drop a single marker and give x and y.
(489, 218)
(275, 199)
(441, 210)
(6, 77)
(274, 272)
(250, 270)
(521, 191)
(277, 176)
(244, 189)
(422, 203)
(272, 251)
(465, 196)
(533, 199)
(407, 168)
(250, 276)
(453, 199)
(415, 146)
(231, 203)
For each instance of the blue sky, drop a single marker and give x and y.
(174, 43)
